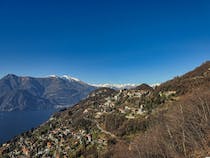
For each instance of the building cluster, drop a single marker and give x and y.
(59, 138)
(52, 142)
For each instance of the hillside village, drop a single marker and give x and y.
(69, 134)
(122, 123)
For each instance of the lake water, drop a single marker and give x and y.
(16, 122)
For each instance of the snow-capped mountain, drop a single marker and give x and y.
(67, 77)
(20, 93)
(107, 85)
(122, 86)
(116, 86)
(70, 78)
(31, 93)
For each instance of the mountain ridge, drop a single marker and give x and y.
(24, 92)
(35, 93)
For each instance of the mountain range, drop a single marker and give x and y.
(116, 86)
(29, 93)
(168, 121)
(121, 86)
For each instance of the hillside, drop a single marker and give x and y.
(171, 121)
(29, 93)
(189, 81)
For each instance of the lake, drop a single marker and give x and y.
(16, 122)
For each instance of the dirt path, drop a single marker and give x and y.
(100, 128)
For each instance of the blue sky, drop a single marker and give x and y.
(111, 41)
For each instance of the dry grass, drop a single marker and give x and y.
(183, 131)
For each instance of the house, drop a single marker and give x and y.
(25, 151)
(116, 97)
(85, 111)
(98, 114)
(89, 138)
(138, 94)
(49, 145)
(127, 108)
(139, 112)
(122, 110)
(130, 116)
(57, 155)
(168, 93)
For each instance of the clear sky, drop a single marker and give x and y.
(110, 41)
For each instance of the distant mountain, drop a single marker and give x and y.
(122, 86)
(116, 86)
(144, 87)
(24, 93)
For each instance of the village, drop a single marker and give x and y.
(61, 138)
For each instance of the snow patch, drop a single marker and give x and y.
(122, 86)
(70, 78)
(116, 86)
(53, 76)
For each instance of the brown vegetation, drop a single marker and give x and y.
(181, 131)
(188, 82)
